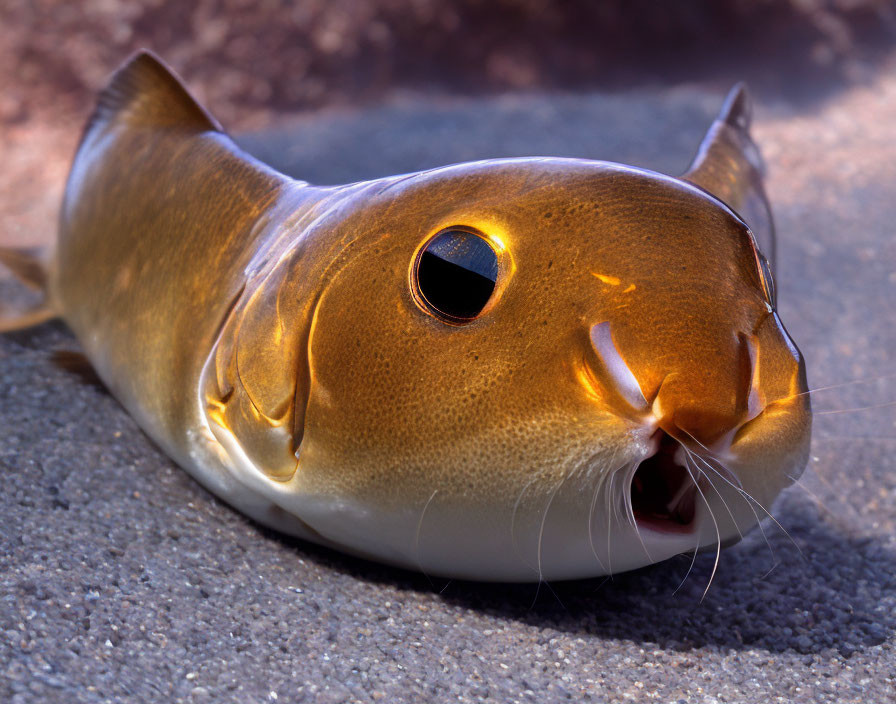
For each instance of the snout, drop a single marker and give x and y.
(694, 407)
(702, 397)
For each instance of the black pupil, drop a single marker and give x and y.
(456, 274)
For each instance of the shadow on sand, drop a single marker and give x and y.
(833, 592)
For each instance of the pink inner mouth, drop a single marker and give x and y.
(663, 494)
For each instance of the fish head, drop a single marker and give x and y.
(538, 368)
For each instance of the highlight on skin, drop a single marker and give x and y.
(516, 369)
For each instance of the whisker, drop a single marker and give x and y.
(776, 522)
(749, 497)
(874, 438)
(840, 385)
(643, 545)
(693, 458)
(815, 498)
(544, 520)
(626, 496)
(702, 446)
(614, 497)
(746, 500)
(591, 527)
(417, 538)
(770, 570)
(627, 478)
(516, 506)
(768, 513)
(609, 551)
(599, 493)
(819, 477)
(608, 495)
(613, 513)
(718, 535)
(556, 596)
(626, 488)
(602, 583)
(688, 573)
(833, 492)
(855, 410)
(551, 589)
(597, 489)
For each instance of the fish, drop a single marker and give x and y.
(514, 370)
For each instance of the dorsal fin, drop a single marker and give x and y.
(729, 166)
(144, 92)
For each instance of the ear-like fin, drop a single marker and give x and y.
(28, 264)
(30, 267)
(145, 92)
(729, 166)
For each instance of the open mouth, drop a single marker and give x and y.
(663, 493)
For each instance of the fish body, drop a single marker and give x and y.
(513, 369)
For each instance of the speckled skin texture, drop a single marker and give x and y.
(286, 363)
(483, 424)
(123, 580)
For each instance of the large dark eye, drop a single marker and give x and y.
(456, 274)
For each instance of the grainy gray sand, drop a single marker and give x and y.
(122, 580)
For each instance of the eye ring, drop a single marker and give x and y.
(455, 275)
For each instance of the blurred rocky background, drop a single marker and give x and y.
(254, 62)
(122, 580)
(248, 57)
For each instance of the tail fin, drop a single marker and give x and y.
(30, 267)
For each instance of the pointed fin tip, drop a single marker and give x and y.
(729, 166)
(30, 267)
(737, 110)
(145, 92)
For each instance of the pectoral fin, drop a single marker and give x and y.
(29, 266)
(257, 387)
(729, 166)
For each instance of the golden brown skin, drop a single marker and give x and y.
(270, 336)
